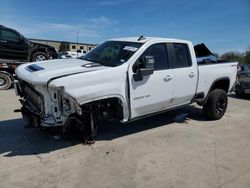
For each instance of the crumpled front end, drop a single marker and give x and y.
(45, 106)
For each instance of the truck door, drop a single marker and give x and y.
(13, 45)
(184, 72)
(153, 92)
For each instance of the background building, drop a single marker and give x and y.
(66, 46)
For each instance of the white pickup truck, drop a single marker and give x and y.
(122, 79)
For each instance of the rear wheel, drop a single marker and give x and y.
(239, 94)
(238, 91)
(5, 81)
(39, 56)
(216, 104)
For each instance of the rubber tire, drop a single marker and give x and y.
(209, 108)
(34, 55)
(8, 81)
(239, 94)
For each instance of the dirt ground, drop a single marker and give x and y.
(160, 151)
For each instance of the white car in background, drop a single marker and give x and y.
(69, 54)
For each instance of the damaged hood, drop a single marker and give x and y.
(43, 71)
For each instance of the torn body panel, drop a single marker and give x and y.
(49, 105)
(65, 96)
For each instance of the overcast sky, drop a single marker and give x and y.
(223, 25)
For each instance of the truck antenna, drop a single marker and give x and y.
(141, 38)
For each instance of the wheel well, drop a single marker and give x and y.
(110, 108)
(39, 50)
(221, 84)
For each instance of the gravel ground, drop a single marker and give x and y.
(160, 151)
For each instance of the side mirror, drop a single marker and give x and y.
(145, 67)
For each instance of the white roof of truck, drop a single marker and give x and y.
(147, 39)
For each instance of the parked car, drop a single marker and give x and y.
(122, 79)
(69, 54)
(15, 48)
(242, 86)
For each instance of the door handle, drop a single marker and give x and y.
(191, 75)
(167, 78)
(3, 41)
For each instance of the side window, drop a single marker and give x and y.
(181, 56)
(158, 51)
(10, 35)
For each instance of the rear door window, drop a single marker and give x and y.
(181, 56)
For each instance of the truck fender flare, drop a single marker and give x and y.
(212, 85)
(219, 79)
(124, 104)
(38, 49)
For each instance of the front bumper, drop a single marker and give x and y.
(42, 106)
(31, 101)
(32, 109)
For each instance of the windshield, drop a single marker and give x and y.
(112, 53)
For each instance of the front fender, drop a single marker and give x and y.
(97, 85)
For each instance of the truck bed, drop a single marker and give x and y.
(208, 73)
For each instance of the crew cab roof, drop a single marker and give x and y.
(148, 39)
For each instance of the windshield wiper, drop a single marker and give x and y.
(92, 60)
(97, 61)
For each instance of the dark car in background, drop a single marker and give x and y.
(15, 49)
(242, 86)
(14, 46)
